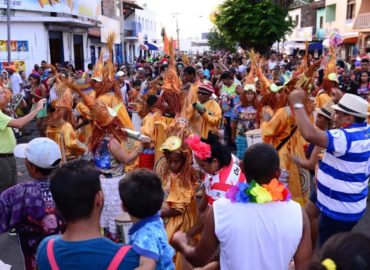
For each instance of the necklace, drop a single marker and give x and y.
(255, 193)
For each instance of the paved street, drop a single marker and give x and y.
(9, 249)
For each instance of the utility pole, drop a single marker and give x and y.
(8, 29)
(175, 15)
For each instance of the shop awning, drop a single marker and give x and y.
(315, 46)
(151, 47)
(350, 40)
(143, 47)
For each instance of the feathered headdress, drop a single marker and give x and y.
(98, 68)
(330, 72)
(250, 82)
(100, 113)
(170, 100)
(104, 74)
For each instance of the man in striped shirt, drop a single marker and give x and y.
(342, 180)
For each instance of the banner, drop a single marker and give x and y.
(19, 50)
(85, 8)
(19, 65)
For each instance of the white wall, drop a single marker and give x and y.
(38, 43)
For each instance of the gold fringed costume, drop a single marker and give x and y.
(60, 123)
(167, 107)
(274, 132)
(155, 126)
(179, 187)
(73, 148)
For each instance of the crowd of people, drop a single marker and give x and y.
(221, 161)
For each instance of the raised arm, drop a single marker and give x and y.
(306, 128)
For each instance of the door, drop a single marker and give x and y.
(56, 47)
(93, 55)
(78, 52)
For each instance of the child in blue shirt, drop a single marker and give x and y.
(142, 197)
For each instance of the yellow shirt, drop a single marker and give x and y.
(208, 121)
(191, 96)
(155, 126)
(274, 132)
(321, 99)
(72, 147)
(7, 138)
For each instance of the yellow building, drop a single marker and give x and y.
(341, 15)
(362, 25)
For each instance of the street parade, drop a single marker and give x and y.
(249, 150)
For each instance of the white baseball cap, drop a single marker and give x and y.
(120, 73)
(41, 152)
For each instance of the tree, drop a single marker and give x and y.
(217, 41)
(253, 23)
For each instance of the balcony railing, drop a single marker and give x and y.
(362, 21)
(130, 33)
(133, 26)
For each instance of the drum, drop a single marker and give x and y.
(123, 223)
(254, 136)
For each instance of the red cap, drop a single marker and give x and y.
(206, 86)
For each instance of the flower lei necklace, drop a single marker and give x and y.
(253, 192)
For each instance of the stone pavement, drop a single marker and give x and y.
(9, 248)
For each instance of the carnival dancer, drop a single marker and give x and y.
(61, 122)
(281, 132)
(109, 157)
(179, 209)
(190, 95)
(207, 113)
(244, 115)
(229, 98)
(330, 80)
(168, 106)
(106, 88)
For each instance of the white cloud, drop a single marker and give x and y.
(193, 20)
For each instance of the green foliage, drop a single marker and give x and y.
(253, 24)
(217, 41)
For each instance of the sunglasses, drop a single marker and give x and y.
(203, 93)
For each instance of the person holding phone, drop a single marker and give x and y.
(7, 139)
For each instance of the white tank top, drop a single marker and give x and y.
(257, 236)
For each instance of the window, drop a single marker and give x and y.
(330, 13)
(296, 21)
(321, 22)
(351, 8)
(118, 8)
(102, 7)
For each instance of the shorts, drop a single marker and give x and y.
(313, 196)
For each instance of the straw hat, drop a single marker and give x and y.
(326, 110)
(352, 105)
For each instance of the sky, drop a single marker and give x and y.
(193, 20)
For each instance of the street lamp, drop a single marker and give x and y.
(175, 15)
(8, 30)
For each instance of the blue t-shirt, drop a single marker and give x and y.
(90, 254)
(149, 239)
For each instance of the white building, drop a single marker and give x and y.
(56, 33)
(141, 32)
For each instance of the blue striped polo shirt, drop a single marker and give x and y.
(343, 176)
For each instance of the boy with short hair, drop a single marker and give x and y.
(78, 196)
(142, 197)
